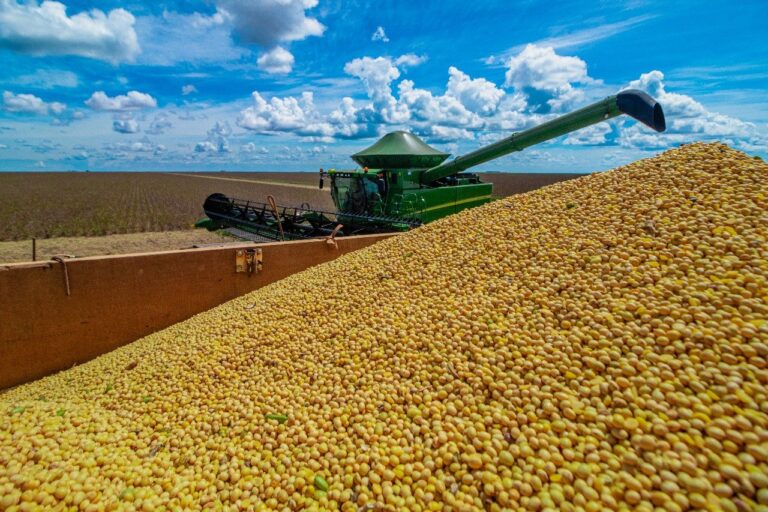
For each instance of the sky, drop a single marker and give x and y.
(295, 85)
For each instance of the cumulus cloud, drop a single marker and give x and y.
(377, 75)
(380, 35)
(266, 22)
(595, 135)
(446, 110)
(278, 60)
(538, 68)
(46, 29)
(30, 104)
(687, 120)
(217, 140)
(143, 145)
(541, 68)
(474, 108)
(478, 95)
(188, 89)
(125, 126)
(289, 114)
(160, 124)
(454, 114)
(250, 147)
(438, 134)
(410, 60)
(134, 100)
(464, 101)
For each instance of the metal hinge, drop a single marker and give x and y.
(248, 261)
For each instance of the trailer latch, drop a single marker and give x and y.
(248, 261)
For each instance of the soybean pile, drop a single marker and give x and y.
(599, 344)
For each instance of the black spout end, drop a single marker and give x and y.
(642, 107)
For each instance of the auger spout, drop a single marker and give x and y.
(631, 102)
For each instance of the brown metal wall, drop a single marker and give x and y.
(117, 299)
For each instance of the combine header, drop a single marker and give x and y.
(403, 182)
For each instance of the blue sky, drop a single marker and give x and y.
(290, 85)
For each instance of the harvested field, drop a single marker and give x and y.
(47, 205)
(21, 251)
(300, 178)
(507, 184)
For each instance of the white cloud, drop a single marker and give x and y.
(30, 104)
(575, 39)
(266, 22)
(206, 147)
(444, 134)
(422, 106)
(380, 35)
(45, 29)
(278, 60)
(160, 124)
(542, 69)
(478, 95)
(221, 37)
(57, 108)
(410, 60)
(277, 114)
(289, 114)
(48, 79)
(188, 89)
(250, 147)
(134, 100)
(174, 37)
(144, 145)
(594, 135)
(350, 122)
(377, 75)
(217, 140)
(125, 126)
(477, 109)
(687, 120)
(455, 114)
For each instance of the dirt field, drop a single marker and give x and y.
(20, 251)
(301, 178)
(47, 205)
(508, 184)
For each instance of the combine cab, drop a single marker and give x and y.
(402, 182)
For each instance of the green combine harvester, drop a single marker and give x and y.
(402, 182)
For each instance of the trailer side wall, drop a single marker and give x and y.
(118, 299)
